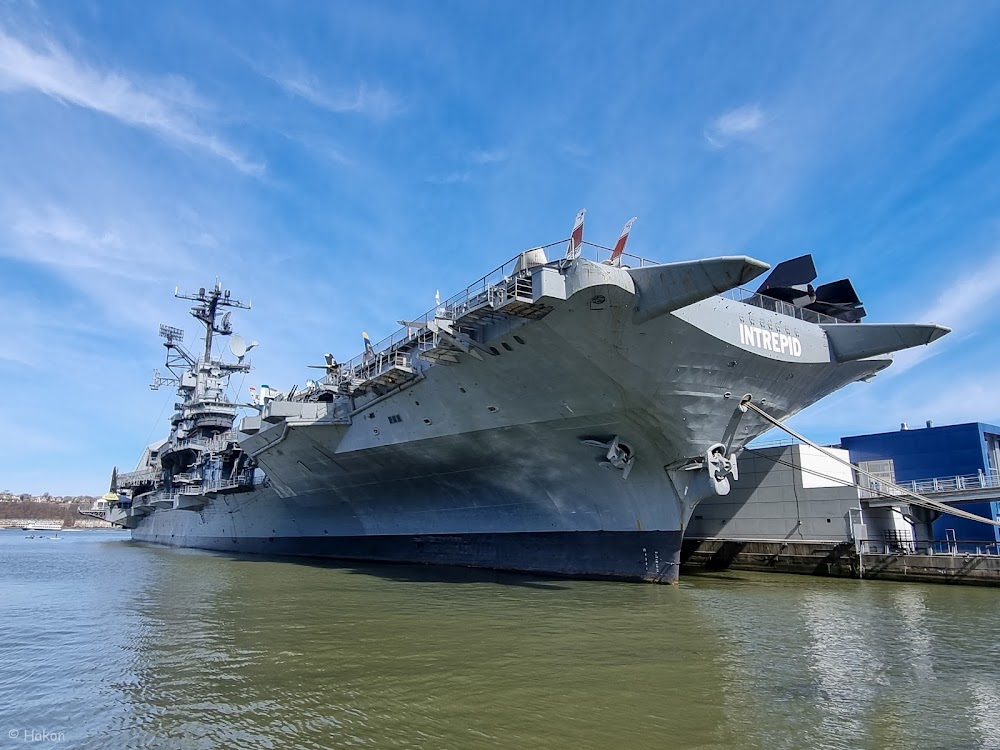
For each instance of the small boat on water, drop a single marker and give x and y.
(43, 526)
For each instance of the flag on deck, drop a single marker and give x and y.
(369, 349)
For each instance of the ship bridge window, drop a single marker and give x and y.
(395, 419)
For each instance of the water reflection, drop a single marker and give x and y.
(282, 654)
(121, 645)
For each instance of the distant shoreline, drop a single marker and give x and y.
(19, 513)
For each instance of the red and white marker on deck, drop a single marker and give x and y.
(616, 254)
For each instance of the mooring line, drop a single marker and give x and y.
(914, 498)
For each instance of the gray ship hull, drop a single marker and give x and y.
(502, 454)
(525, 497)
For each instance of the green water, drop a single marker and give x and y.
(107, 644)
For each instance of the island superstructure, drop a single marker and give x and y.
(560, 416)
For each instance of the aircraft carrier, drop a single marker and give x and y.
(562, 415)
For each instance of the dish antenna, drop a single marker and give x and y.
(237, 345)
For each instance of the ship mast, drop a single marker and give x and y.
(203, 379)
(209, 304)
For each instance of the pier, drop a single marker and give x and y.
(788, 519)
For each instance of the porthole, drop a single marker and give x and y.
(519, 340)
(375, 430)
(427, 421)
(494, 351)
(491, 408)
(461, 389)
(506, 346)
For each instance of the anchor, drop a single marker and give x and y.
(619, 455)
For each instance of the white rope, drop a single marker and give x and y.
(150, 435)
(912, 497)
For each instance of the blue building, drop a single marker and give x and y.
(927, 453)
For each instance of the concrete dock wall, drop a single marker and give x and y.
(972, 569)
(805, 558)
(839, 560)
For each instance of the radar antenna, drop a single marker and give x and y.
(178, 358)
(160, 379)
(207, 308)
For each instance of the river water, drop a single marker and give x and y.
(105, 643)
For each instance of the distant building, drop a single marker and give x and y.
(970, 450)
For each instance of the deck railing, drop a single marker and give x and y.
(143, 476)
(495, 287)
(748, 297)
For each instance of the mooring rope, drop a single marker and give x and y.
(914, 498)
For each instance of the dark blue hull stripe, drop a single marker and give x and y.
(622, 555)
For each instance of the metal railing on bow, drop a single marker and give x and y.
(748, 297)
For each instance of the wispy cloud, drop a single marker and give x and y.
(51, 236)
(451, 178)
(480, 158)
(963, 305)
(966, 300)
(51, 70)
(372, 101)
(734, 124)
(484, 156)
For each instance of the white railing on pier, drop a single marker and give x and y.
(965, 547)
(982, 480)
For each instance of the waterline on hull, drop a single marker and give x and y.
(652, 556)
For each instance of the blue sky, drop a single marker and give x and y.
(338, 162)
